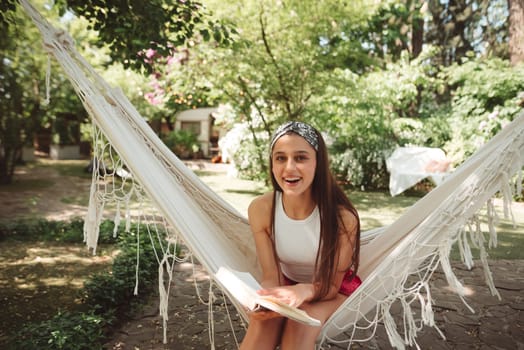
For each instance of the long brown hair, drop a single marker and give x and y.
(329, 198)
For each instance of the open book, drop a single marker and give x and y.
(243, 287)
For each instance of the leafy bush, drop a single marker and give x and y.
(486, 95)
(71, 331)
(43, 230)
(107, 295)
(114, 290)
(428, 132)
(361, 160)
(246, 143)
(184, 143)
(409, 102)
(458, 110)
(54, 231)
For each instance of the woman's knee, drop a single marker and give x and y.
(297, 335)
(263, 334)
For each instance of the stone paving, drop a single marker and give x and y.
(496, 324)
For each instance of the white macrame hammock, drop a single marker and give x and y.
(397, 261)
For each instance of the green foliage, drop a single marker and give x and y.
(294, 65)
(388, 30)
(131, 27)
(243, 147)
(128, 29)
(132, 84)
(18, 107)
(40, 229)
(299, 60)
(114, 291)
(54, 231)
(367, 116)
(23, 107)
(66, 330)
(466, 26)
(7, 8)
(486, 95)
(276, 69)
(184, 143)
(177, 83)
(107, 295)
(429, 132)
(406, 104)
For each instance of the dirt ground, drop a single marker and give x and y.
(42, 192)
(496, 324)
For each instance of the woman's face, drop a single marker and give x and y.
(294, 163)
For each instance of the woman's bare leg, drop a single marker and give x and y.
(263, 334)
(297, 335)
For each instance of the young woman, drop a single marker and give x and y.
(307, 236)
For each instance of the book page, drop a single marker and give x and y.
(243, 286)
(284, 309)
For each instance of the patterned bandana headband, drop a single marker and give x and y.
(299, 128)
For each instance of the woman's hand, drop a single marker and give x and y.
(294, 295)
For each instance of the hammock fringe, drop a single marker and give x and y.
(414, 245)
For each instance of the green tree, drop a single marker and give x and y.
(128, 28)
(133, 26)
(277, 65)
(460, 26)
(21, 92)
(177, 84)
(396, 27)
(487, 95)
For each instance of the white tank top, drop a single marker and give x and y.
(296, 243)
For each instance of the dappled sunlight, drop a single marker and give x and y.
(20, 171)
(55, 255)
(63, 259)
(42, 267)
(468, 291)
(28, 286)
(57, 282)
(38, 278)
(194, 273)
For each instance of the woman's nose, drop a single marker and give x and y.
(291, 164)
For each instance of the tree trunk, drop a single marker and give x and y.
(516, 31)
(417, 37)
(7, 166)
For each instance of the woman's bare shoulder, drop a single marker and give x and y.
(261, 204)
(259, 213)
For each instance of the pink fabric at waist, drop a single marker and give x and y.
(348, 286)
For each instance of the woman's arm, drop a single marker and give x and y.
(259, 214)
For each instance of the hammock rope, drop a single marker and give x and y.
(397, 261)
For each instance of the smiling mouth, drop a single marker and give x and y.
(292, 180)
